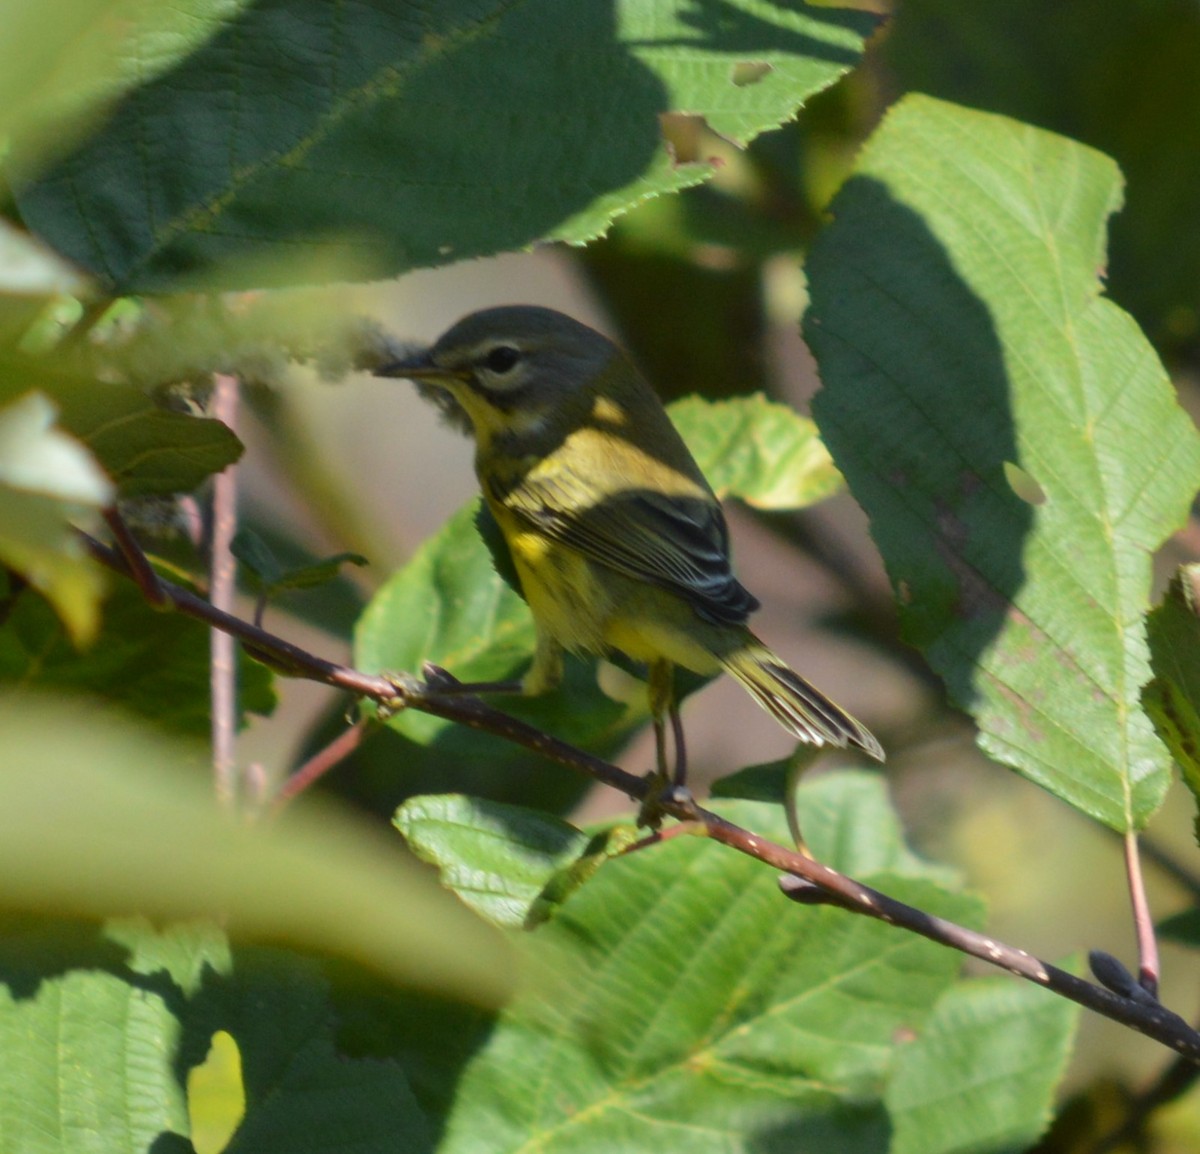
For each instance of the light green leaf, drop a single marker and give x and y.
(958, 323)
(97, 817)
(85, 1069)
(36, 457)
(696, 1011)
(762, 452)
(216, 1098)
(980, 1077)
(497, 858)
(368, 140)
(48, 482)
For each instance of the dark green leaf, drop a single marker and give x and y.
(959, 325)
(153, 664)
(1053, 66)
(318, 573)
(255, 554)
(1183, 928)
(1172, 698)
(369, 140)
(143, 448)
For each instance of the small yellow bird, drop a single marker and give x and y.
(617, 538)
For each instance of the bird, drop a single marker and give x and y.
(617, 539)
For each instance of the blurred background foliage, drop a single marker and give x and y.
(707, 288)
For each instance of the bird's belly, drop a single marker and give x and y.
(566, 599)
(590, 609)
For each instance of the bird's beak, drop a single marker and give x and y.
(419, 367)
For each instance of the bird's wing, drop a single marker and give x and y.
(675, 542)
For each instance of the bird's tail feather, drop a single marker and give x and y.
(799, 707)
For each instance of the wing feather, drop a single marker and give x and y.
(679, 543)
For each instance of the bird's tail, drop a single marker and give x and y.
(799, 707)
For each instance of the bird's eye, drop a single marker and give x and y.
(502, 358)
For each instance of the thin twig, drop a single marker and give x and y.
(1148, 966)
(319, 764)
(139, 563)
(404, 692)
(223, 589)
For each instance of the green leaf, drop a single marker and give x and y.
(981, 1075)
(85, 1067)
(497, 858)
(255, 555)
(318, 573)
(515, 866)
(698, 1012)
(1183, 927)
(216, 1099)
(449, 606)
(156, 665)
(146, 449)
(98, 1048)
(48, 481)
(371, 140)
(143, 448)
(762, 452)
(96, 817)
(958, 323)
(767, 782)
(1172, 698)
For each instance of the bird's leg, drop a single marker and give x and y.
(662, 707)
(680, 744)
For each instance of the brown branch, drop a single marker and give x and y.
(807, 881)
(139, 564)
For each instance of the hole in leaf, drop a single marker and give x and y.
(748, 72)
(1024, 484)
(216, 1096)
(684, 134)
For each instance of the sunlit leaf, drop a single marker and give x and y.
(48, 482)
(760, 451)
(981, 1075)
(959, 325)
